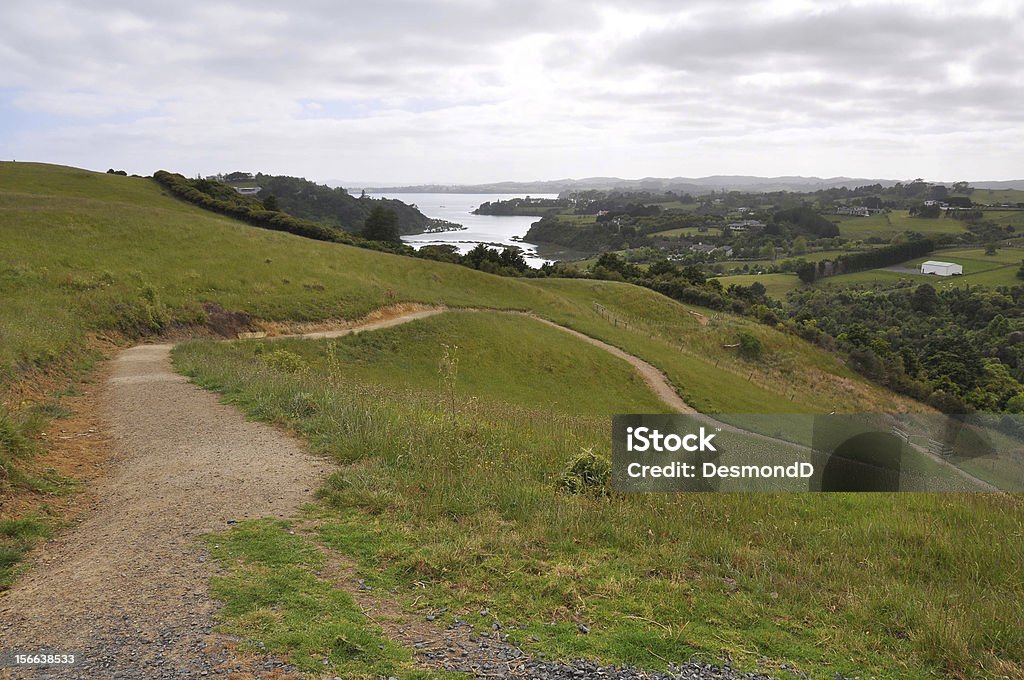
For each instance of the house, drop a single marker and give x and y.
(745, 225)
(248, 191)
(941, 268)
(857, 210)
(708, 249)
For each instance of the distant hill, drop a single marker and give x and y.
(693, 185)
(1017, 184)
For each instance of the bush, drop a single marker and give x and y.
(947, 403)
(588, 473)
(143, 316)
(750, 346)
(286, 361)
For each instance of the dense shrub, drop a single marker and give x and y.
(587, 473)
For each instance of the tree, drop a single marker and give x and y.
(662, 268)
(807, 271)
(270, 203)
(750, 346)
(799, 246)
(442, 252)
(929, 212)
(382, 225)
(924, 299)
(614, 263)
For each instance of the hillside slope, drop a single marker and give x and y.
(460, 502)
(456, 437)
(335, 206)
(89, 252)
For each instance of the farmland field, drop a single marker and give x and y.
(777, 285)
(889, 224)
(979, 269)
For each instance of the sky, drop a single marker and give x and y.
(469, 91)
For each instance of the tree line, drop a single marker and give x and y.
(222, 199)
(848, 263)
(958, 349)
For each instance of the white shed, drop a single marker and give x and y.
(941, 268)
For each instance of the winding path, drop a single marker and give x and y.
(128, 588)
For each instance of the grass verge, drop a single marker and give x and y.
(276, 596)
(17, 536)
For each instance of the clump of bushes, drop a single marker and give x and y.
(222, 199)
(283, 360)
(143, 316)
(750, 346)
(588, 473)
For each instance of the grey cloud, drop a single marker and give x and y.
(413, 83)
(852, 40)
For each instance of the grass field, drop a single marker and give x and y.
(576, 219)
(89, 254)
(138, 261)
(979, 270)
(887, 225)
(777, 285)
(1006, 218)
(454, 502)
(997, 196)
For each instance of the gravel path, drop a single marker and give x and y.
(128, 588)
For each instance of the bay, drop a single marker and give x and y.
(492, 230)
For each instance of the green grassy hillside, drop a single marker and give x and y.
(89, 252)
(451, 459)
(888, 224)
(448, 496)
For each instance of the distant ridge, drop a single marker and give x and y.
(694, 185)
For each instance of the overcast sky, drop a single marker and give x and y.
(474, 91)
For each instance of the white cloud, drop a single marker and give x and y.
(465, 90)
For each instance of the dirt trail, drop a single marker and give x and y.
(654, 378)
(128, 588)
